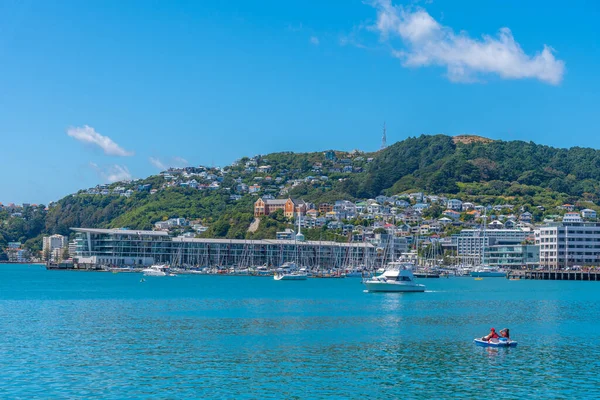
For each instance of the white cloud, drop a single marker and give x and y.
(87, 134)
(427, 42)
(113, 173)
(157, 163)
(314, 40)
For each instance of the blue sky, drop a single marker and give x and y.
(96, 91)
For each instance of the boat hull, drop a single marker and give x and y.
(154, 273)
(393, 287)
(290, 277)
(499, 343)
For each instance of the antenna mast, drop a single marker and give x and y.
(383, 139)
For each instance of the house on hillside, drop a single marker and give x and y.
(572, 217)
(496, 225)
(451, 214)
(454, 204)
(402, 203)
(254, 189)
(290, 207)
(526, 217)
(567, 207)
(420, 207)
(588, 213)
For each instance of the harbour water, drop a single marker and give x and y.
(67, 334)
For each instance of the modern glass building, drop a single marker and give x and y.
(120, 247)
(513, 256)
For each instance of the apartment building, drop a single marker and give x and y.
(569, 243)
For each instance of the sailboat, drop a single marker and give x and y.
(289, 271)
(484, 270)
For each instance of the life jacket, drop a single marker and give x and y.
(494, 335)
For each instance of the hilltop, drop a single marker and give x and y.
(469, 139)
(219, 201)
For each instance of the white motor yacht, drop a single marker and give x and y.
(398, 277)
(156, 270)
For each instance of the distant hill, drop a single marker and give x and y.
(479, 166)
(468, 167)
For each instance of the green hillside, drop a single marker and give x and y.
(466, 167)
(440, 164)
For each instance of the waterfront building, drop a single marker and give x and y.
(54, 245)
(53, 242)
(512, 256)
(139, 248)
(15, 253)
(569, 243)
(469, 243)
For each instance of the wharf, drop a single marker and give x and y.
(555, 275)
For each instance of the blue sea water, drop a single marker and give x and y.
(67, 334)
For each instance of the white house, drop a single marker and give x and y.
(588, 213)
(420, 207)
(451, 214)
(454, 204)
(572, 217)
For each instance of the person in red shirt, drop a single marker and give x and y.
(492, 335)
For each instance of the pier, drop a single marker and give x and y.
(555, 275)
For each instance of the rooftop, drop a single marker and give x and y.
(120, 232)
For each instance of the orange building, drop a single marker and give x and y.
(324, 208)
(291, 207)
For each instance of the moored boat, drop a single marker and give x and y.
(488, 272)
(289, 272)
(292, 276)
(157, 270)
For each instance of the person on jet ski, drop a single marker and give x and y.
(491, 335)
(505, 333)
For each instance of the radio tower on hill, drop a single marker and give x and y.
(383, 139)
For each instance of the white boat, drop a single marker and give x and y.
(488, 272)
(262, 270)
(398, 277)
(156, 270)
(291, 276)
(288, 272)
